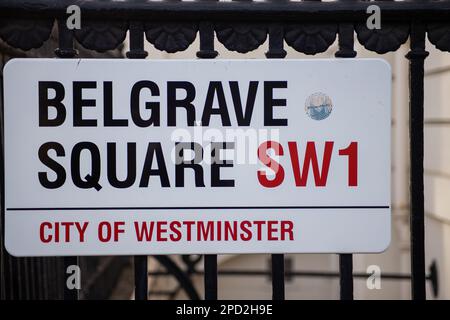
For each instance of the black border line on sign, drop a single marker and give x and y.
(198, 208)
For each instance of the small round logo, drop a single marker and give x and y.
(318, 106)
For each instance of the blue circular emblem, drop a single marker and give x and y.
(318, 106)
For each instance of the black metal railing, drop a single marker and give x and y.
(190, 269)
(309, 27)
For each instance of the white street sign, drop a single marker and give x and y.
(110, 157)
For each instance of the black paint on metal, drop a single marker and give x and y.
(416, 57)
(278, 277)
(346, 50)
(140, 262)
(140, 278)
(346, 276)
(210, 276)
(66, 50)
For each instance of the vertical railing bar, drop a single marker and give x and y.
(32, 279)
(206, 34)
(56, 278)
(346, 50)
(276, 41)
(33, 268)
(276, 50)
(346, 276)
(140, 278)
(3, 254)
(26, 280)
(51, 277)
(416, 57)
(278, 277)
(45, 279)
(6, 262)
(210, 276)
(206, 51)
(140, 262)
(16, 278)
(66, 50)
(39, 278)
(60, 279)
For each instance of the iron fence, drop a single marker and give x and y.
(309, 27)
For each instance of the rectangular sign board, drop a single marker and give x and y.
(111, 157)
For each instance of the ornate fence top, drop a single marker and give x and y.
(309, 27)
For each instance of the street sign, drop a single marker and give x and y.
(110, 157)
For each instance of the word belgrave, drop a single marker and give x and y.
(173, 102)
(53, 113)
